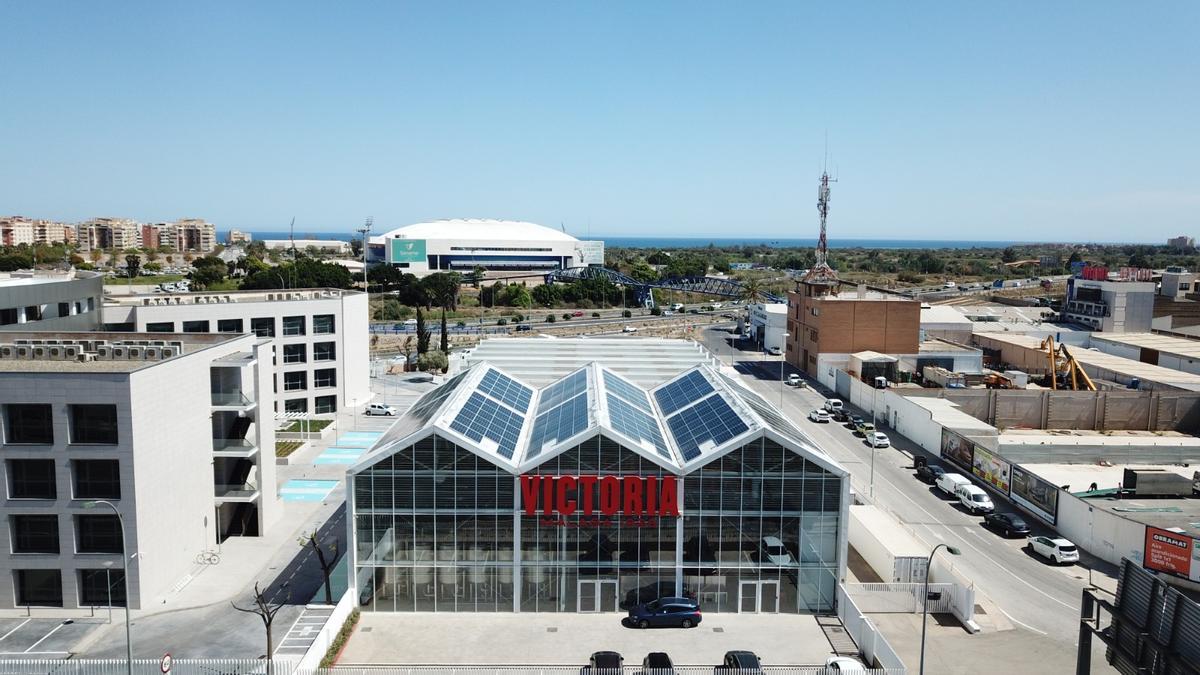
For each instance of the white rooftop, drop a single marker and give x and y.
(476, 228)
(540, 361)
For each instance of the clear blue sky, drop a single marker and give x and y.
(967, 120)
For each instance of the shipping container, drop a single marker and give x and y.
(894, 554)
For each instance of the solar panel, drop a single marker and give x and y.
(627, 391)
(559, 423)
(682, 392)
(769, 413)
(429, 403)
(635, 424)
(712, 419)
(568, 387)
(482, 418)
(506, 390)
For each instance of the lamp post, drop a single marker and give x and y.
(872, 442)
(925, 598)
(125, 574)
(784, 337)
(108, 586)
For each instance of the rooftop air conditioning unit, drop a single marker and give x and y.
(119, 353)
(168, 352)
(177, 344)
(39, 352)
(55, 353)
(22, 341)
(8, 352)
(24, 352)
(86, 357)
(134, 353)
(151, 353)
(72, 351)
(104, 352)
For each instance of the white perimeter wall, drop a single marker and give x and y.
(355, 342)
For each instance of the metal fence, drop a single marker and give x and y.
(259, 667)
(146, 667)
(900, 598)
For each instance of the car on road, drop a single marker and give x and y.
(1008, 524)
(1057, 550)
(878, 440)
(818, 416)
(410, 322)
(974, 499)
(380, 409)
(833, 405)
(839, 416)
(795, 380)
(629, 329)
(949, 482)
(577, 313)
(524, 327)
(739, 661)
(663, 612)
(657, 663)
(774, 351)
(843, 664)
(853, 421)
(604, 662)
(929, 473)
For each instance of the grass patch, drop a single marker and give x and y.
(300, 426)
(285, 448)
(335, 647)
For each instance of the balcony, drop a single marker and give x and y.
(237, 448)
(232, 400)
(244, 493)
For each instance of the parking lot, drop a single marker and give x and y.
(36, 638)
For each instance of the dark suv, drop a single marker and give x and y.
(681, 612)
(930, 472)
(602, 663)
(739, 662)
(657, 663)
(1008, 523)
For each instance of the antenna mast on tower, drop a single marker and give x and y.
(821, 272)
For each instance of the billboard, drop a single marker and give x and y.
(1035, 494)
(992, 469)
(956, 449)
(1171, 552)
(406, 250)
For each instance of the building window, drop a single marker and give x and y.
(34, 533)
(293, 325)
(102, 588)
(323, 324)
(813, 335)
(195, 326)
(96, 478)
(264, 327)
(325, 377)
(91, 304)
(28, 423)
(325, 404)
(324, 351)
(64, 309)
(295, 353)
(295, 381)
(79, 307)
(97, 534)
(229, 325)
(161, 327)
(33, 313)
(93, 424)
(296, 405)
(31, 479)
(39, 588)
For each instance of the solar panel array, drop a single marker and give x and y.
(566, 388)
(635, 424)
(627, 391)
(768, 412)
(560, 422)
(506, 390)
(682, 392)
(710, 420)
(482, 418)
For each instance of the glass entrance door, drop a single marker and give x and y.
(758, 597)
(597, 595)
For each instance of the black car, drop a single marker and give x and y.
(651, 592)
(1008, 523)
(739, 661)
(657, 663)
(853, 421)
(663, 612)
(524, 327)
(603, 662)
(930, 472)
(840, 416)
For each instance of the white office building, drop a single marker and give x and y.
(168, 429)
(316, 332)
(50, 300)
(768, 322)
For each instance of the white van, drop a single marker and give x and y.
(949, 482)
(974, 499)
(833, 405)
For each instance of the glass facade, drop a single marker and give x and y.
(439, 528)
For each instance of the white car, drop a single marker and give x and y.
(819, 416)
(1057, 550)
(774, 552)
(833, 404)
(380, 409)
(410, 322)
(843, 664)
(629, 329)
(775, 351)
(878, 440)
(795, 380)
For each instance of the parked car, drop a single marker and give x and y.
(949, 482)
(629, 329)
(774, 351)
(839, 416)
(681, 612)
(795, 380)
(878, 440)
(380, 409)
(771, 550)
(410, 322)
(1057, 550)
(930, 472)
(1006, 523)
(577, 313)
(833, 405)
(657, 663)
(604, 662)
(524, 327)
(843, 664)
(652, 592)
(739, 661)
(853, 421)
(974, 499)
(818, 416)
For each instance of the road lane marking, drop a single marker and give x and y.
(1020, 623)
(52, 632)
(15, 629)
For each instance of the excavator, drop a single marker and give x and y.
(1064, 368)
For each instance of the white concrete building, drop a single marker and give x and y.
(320, 336)
(768, 323)
(1110, 306)
(15, 230)
(50, 300)
(1177, 282)
(496, 245)
(175, 431)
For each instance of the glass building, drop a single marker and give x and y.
(592, 493)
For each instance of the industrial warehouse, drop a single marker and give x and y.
(595, 484)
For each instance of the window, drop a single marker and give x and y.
(31, 479)
(28, 423)
(324, 351)
(33, 313)
(293, 325)
(79, 307)
(102, 588)
(96, 478)
(8, 316)
(97, 534)
(64, 309)
(295, 353)
(94, 424)
(1184, 287)
(91, 304)
(34, 533)
(325, 404)
(264, 327)
(229, 325)
(323, 324)
(39, 588)
(162, 327)
(296, 405)
(295, 381)
(195, 326)
(325, 377)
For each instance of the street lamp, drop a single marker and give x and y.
(108, 586)
(125, 574)
(925, 599)
(784, 337)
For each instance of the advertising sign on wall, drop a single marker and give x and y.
(406, 250)
(1035, 494)
(991, 469)
(1173, 553)
(956, 449)
(598, 500)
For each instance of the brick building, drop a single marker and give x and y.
(824, 329)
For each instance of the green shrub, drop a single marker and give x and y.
(549, 318)
(502, 321)
(335, 647)
(627, 314)
(595, 315)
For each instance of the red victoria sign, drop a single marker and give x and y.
(633, 496)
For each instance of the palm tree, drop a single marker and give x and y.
(752, 291)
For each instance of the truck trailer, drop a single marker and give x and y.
(894, 554)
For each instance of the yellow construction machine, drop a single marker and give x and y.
(1064, 368)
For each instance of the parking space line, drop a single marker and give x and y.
(15, 629)
(52, 632)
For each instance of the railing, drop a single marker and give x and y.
(900, 598)
(233, 444)
(230, 398)
(870, 640)
(234, 491)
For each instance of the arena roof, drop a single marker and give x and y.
(476, 228)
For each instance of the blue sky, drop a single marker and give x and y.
(1068, 122)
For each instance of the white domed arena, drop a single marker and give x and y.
(460, 245)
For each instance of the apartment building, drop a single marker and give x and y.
(109, 233)
(320, 336)
(239, 237)
(168, 429)
(188, 234)
(50, 300)
(192, 234)
(825, 328)
(16, 230)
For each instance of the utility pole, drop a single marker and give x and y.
(365, 230)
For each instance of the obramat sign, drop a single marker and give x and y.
(640, 500)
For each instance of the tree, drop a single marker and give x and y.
(752, 291)
(407, 347)
(208, 271)
(266, 610)
(303, 273)
(133, 265)
(96, 254)
(1008, 255)
(255, 249)
(1075, 257)
(659, 258)
(356, 247)
(643, 272)
(435, 360)
(1139, 260)
(422, 333)
(326, 562)
(445, 334)
(151, 254)
(477, 275)
(442, 289)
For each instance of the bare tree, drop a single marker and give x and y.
(313, 539)
(266, 610)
